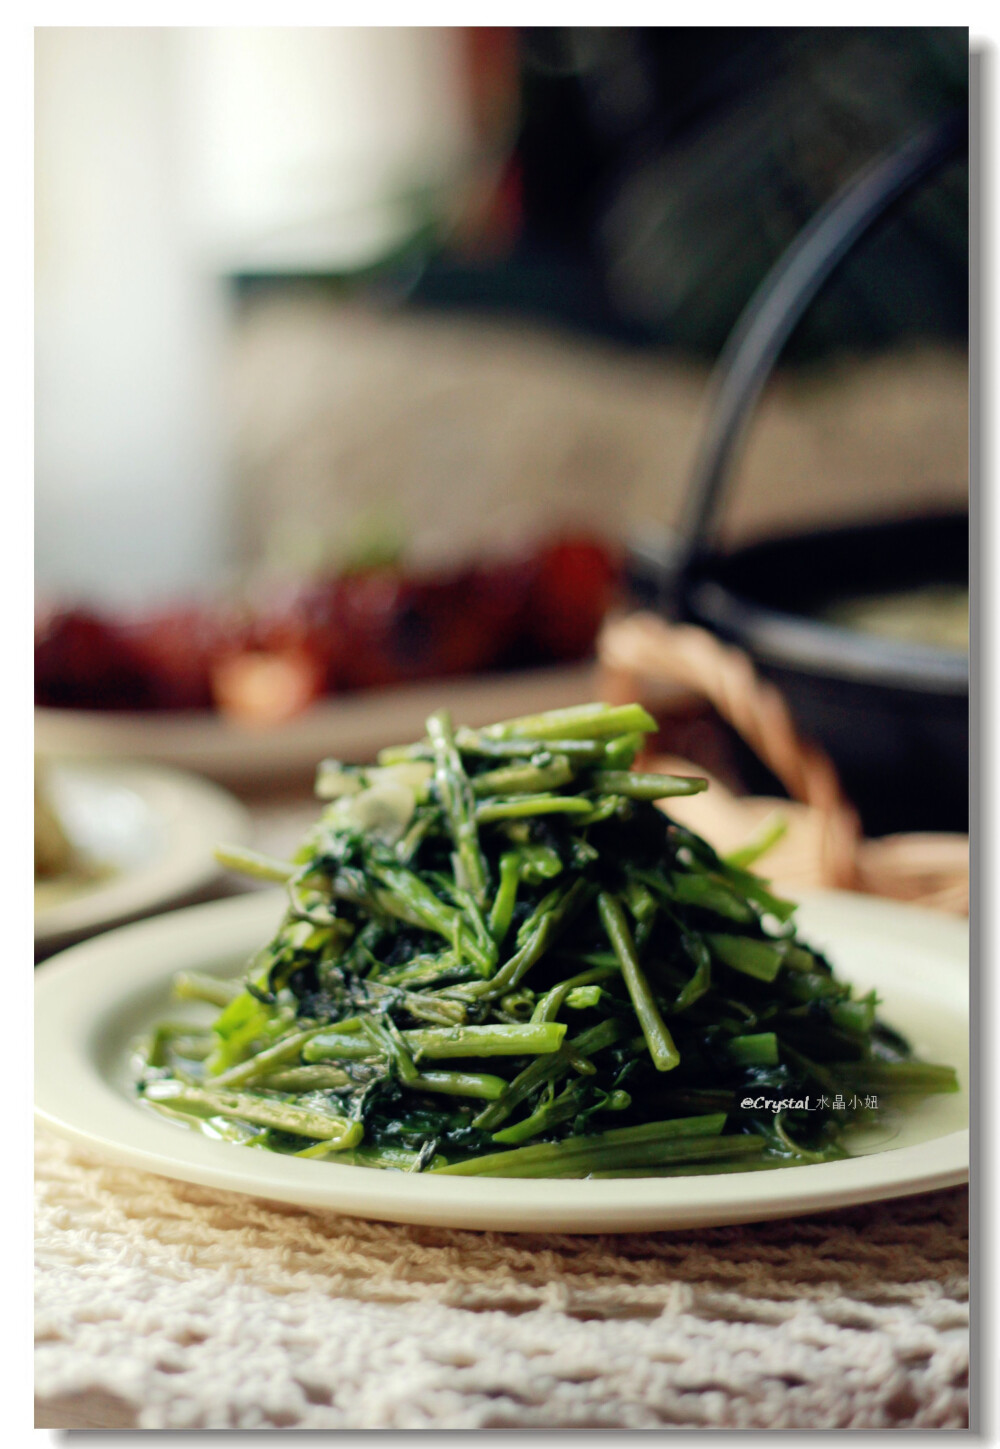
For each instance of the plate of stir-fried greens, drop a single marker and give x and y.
(500, 987)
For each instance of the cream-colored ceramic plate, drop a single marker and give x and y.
(351, 726)
(149, 832)
(92, 1000)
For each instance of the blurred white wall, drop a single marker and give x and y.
(130, 496)
(165, 159)
(322, 149)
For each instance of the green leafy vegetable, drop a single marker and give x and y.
(499, 957)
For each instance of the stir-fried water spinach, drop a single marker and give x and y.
(501, 958)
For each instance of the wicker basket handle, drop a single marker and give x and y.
(642, 648)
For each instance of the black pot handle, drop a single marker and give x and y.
(764, 326)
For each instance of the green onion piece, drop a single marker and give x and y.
(774, 828)
(603, 808)
(658, 1039)
(280, 1054)
(709, 895)
(546, 1116)
(513, 1040)
(503, 902)
(734, 1154)
(622, 750)
(583, 997)
(461, 1084)
(628, 1142)
(856, 1017)
(538, 863)
(549, 1068)
(194, 986)
(318, 1078)
(549, 1005)
(517, 807)
(584, 721)
(640, 901)
(253, 863)
(647, 787)
(473, 742)
(502, 1040)
(385, 1037)
(262, 1111)
(743, 953)
(455, 793)
(389, 1159)
(334, 1046)
(524, 779)
(760, 1050)
(700, 983)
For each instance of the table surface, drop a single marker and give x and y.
(163, 1305)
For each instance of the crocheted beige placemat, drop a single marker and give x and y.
(170, 1306)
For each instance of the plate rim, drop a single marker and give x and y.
(654, 1204)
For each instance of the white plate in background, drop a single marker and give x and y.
(148, 831)
(349, 726)
(94, 999)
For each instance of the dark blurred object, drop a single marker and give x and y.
(893, 715)
(268, 658)
(79, 656)
(571, 591)
(664, 169)
(396, 628)
(171, 648)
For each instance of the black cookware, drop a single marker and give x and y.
(893, 715)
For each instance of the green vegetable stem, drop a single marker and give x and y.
(499, 956)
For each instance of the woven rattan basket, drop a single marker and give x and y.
(643, 657)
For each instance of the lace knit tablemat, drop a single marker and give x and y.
(190, 1308)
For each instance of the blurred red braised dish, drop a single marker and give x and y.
(573, 589)
(267, 659)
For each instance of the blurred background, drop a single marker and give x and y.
(366, 355)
